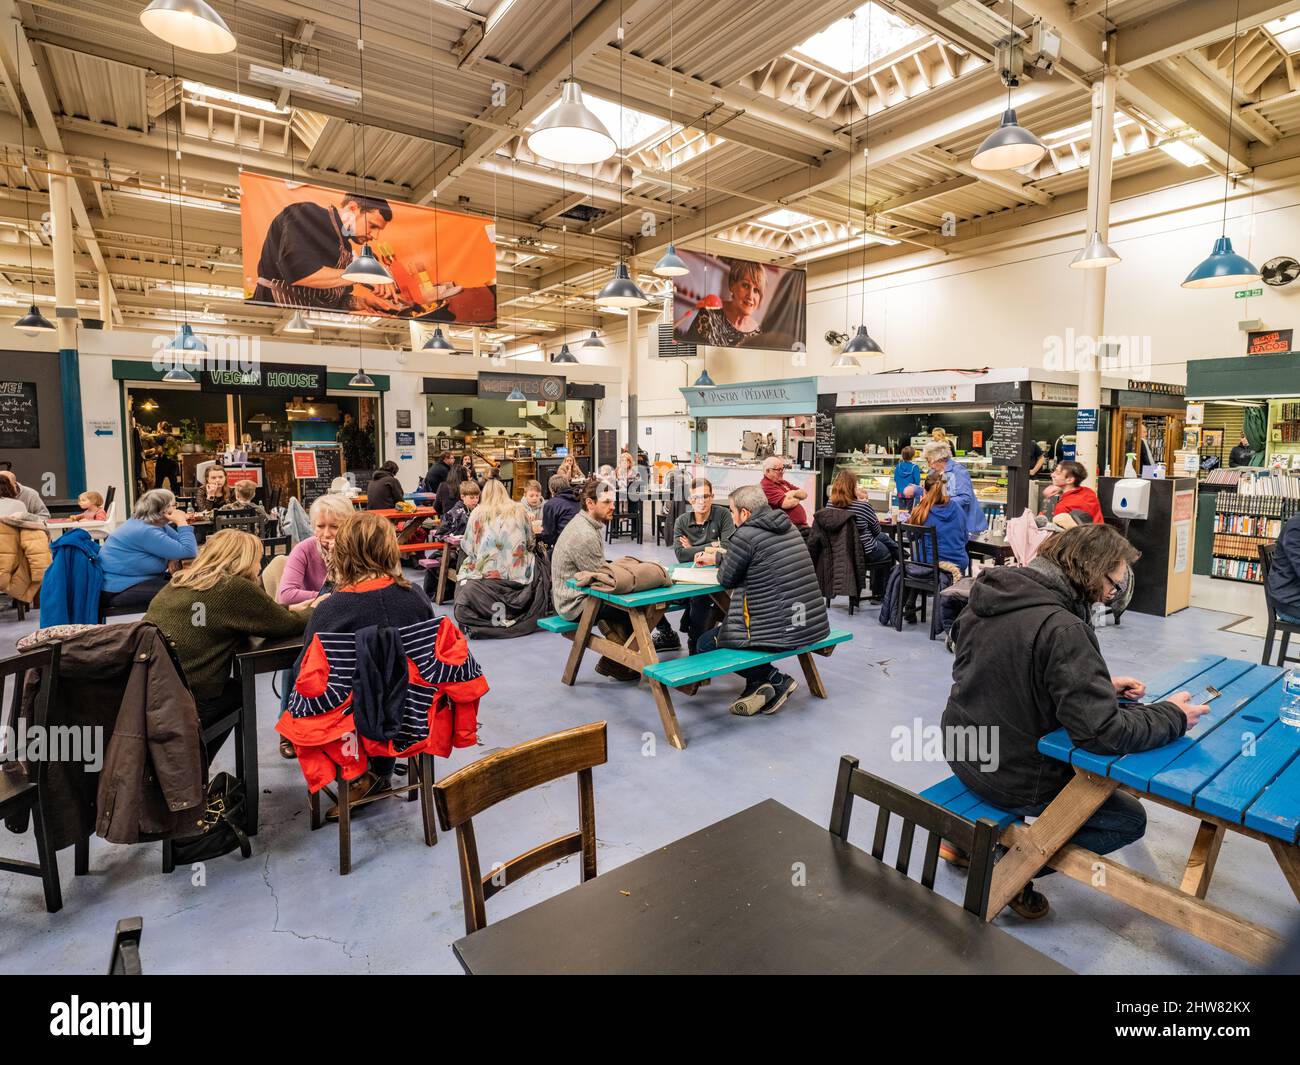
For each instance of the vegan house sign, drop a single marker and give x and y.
(266, 377)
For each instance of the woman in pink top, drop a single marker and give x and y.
(307, 569)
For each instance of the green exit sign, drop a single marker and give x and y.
(1247, 293)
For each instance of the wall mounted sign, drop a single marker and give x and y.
(907, 395)
(20, 423)
(304, 464)
(537, 388)
(797, 395)
(403, 419)
(267, 378)
(1085, 420)
(1269, 342)
(1008, 439)
(406, 439)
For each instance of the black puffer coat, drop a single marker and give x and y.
(837, 555)
(776, 604)
(1028, 663)
(384, 492)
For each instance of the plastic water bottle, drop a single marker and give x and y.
(1289, 714)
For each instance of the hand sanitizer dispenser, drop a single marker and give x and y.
(1131, 498)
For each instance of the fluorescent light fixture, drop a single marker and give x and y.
(169, 199)
(303, 83)
(189, 24)
(203, 92)
(194, 288)
(1184, 152)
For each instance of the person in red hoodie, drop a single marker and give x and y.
(1069, 492)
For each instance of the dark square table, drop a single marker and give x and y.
(726, 900)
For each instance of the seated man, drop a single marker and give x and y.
(559, 510)
(776, 602)
(582, 547)
(783, 495)
(1284, 576)
(705, 526)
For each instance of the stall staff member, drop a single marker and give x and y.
(782, 495)
(1243, 454)
(958, 485)
(1145, 457)
(308, 247)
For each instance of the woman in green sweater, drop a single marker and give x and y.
(210, 609)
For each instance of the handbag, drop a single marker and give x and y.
(221, 827)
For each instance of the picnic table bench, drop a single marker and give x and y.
(1236, 771)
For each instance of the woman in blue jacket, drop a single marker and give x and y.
(948, 520)
(137, 555)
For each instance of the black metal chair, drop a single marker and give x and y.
(245, 519)
(126, 948)
(977, 838)
(919, 562)
(625, 522)
(23, 791)
(1276, 626)
(271, 547)
(109, 496)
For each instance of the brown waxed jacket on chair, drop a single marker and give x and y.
(24, 557)
(125, 680)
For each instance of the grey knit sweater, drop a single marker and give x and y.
(580, 547)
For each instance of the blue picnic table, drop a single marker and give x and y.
(1237, 770)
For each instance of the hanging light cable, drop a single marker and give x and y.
(1010, 146)
(437, 342)
(672, 264)
(861, 343)
(704, 380)
(621, 291)
(1224, 268)
(364, 269)
(1096, 253)
(184, 343)
(593, 342)
(564, 355)
(569, 132)
(33, 323)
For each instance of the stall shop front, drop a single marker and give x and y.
(735, 428)
(522, 440)
(251, 419)
(1243, 506)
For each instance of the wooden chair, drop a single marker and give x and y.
(244, 518)
(22, 792)
(419, 774)
(125, 960)
(977, 838)
(1276, 625)
(482, 784)
(271, 546)
(919, 550)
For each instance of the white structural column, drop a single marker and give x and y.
(1094, 282)
(65, 276)
(105, 300)
(633, 360)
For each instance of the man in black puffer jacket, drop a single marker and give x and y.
(776, 603)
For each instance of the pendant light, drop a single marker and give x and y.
(361, 379)
(621, 291)
(704, 380)
(564, 354)
(184, 344)
(672, 264)
(569, 132)
(1010, 146)
(438, 342)
(1225, 268)
(516, 395)
(593, 341)
(861, 342)
(298, 325)
(1096, 253)
(33, 323)
(189, 24)
(365, 269)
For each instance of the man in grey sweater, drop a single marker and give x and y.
(582, 547)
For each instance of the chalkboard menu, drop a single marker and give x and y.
(329, 464)
(825, 436)
(1007, 442)
(20, 425)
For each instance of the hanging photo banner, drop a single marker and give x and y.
(737, 303)
(299, 239)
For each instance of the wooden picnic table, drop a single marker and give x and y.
(1237, 771)
(413, 519)
(644, 609)
(722, 900)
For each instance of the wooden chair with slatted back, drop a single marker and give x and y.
(482, 784)
(977, 838)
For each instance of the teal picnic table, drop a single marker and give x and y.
(644, 609)
(1237, 771)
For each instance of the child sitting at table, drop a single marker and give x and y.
(457, 516)
(92, 507)
(244, 493)
(533, 503)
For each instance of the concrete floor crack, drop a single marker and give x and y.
(275, 927)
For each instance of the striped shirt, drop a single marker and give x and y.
(868, 524)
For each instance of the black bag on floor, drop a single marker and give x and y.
(221, 829)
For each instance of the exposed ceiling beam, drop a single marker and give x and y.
(1191, 24)
(1007, 181)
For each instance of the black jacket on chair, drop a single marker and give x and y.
(384, 492)
(837, 555)
(1028, 663)
(776, 603)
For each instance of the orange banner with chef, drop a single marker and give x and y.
(299, 241)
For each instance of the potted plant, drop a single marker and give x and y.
(192, 439)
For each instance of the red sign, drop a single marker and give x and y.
(235, 474)
(304, 465)
(1269, 342)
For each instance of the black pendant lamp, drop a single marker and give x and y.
(365, 269)
(1010, 146)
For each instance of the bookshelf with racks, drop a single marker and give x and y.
(1248, 514)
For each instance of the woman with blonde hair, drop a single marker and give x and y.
(306, 573)
(210, 610)
(498, 593)
(369, 589)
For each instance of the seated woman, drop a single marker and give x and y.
(212, 493)
(1070, 494)
(948, 520)
(384, 491)
(1028, 662)
(139, 554)
(210, 609)
(306, 572)
(369, 590)
(498, 591)
(448, 494)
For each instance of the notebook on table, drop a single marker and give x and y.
(695, 574)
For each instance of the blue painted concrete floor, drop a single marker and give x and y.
(286, 910)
